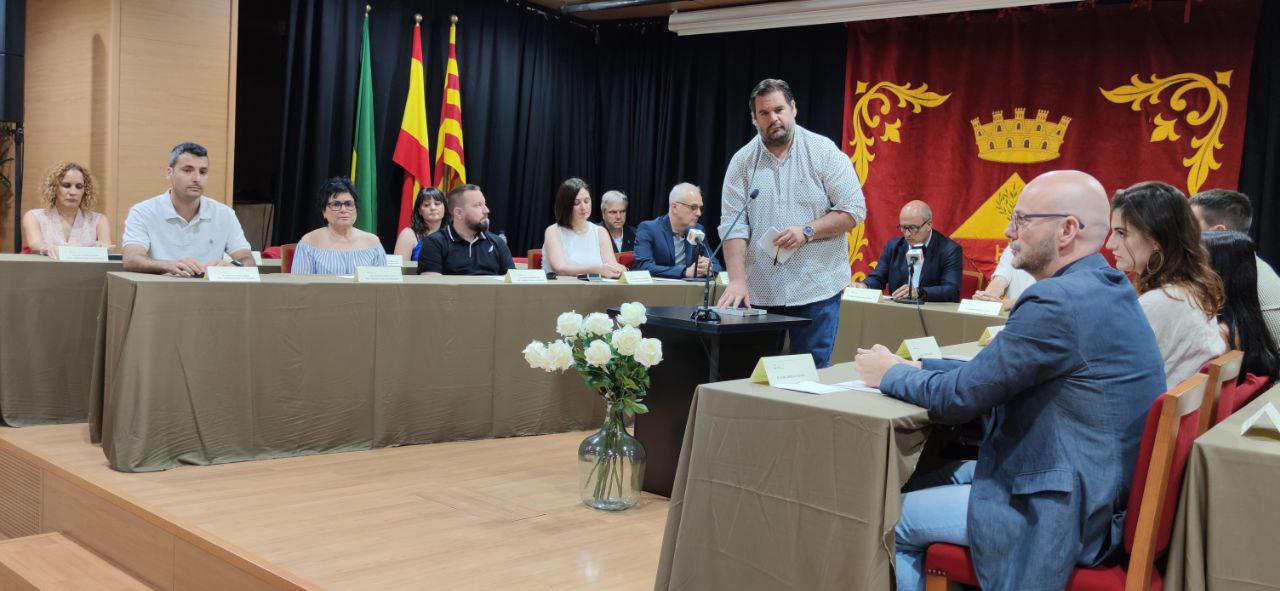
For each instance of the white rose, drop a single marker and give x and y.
(598, 353)
(569, 324)
(597, 324)
(559, 356)
(626, 339)
(632, 314)
(649, 353)
(536, 354)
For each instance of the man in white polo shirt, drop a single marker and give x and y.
(180, 232)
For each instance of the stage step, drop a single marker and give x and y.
(54, 561)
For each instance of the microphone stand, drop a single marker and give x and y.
(911, 267)
(705, 313)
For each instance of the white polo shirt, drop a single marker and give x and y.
(156, 226)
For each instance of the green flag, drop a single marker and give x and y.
(364, 172)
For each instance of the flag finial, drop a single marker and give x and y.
(417, 18)
(367, 9)
(453, 18)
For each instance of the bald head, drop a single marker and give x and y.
(917, 210)
(1046, 242)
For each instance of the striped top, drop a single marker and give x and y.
(309, 260)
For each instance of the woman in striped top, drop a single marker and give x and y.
(339, 247)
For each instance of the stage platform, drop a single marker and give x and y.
(497, 513)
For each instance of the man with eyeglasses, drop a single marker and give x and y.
(665, 247)
(935, 277)
(1065, 387)
(181, 232)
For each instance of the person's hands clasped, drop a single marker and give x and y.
(790, 238)
(904, 291)
(873, 363)
(983, 296)
(184, 267)
(612, 270)
(735, 295)
(699, 269)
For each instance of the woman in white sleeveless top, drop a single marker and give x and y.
(573, 245)
(67, 218)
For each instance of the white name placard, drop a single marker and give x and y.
(82, 254)
(989, 333)
(635, 278)
(379, 275)
(526, 276)
(232, 274)
(921, 348)
(1265, 422)
(861, 294)
(395, 260)
(722, 278)
(980, 307)
(785, 369)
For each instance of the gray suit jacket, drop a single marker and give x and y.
(1069, 381)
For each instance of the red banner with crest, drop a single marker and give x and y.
(961, 111)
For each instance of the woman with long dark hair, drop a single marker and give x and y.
(1155, 238)
(1231, 254)
(573, 245)
(428, 217)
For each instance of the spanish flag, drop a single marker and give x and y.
(364, 174)
(411, 147)
(451, 169)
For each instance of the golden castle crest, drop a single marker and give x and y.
(1019, 140)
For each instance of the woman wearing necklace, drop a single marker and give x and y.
(427, 218)
(67, 218)
(339, 247)
(573, 245)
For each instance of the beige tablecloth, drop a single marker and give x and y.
(197, 372)
(1227, 532)
(888, 323)
(783, 490)
(48, 317)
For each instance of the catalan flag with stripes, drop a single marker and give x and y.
(451, 169)
(412, 152)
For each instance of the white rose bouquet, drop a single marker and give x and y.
(612, 356)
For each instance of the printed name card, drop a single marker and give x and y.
(989, 333)
(856, 294)
(82, 254)
(635, 278)
(785, 369)
(379, 275)
(980, 307)
(526, 276)
(722, 278)
(921, 348)
(232, 274)
(395, 260)
(1265, 422)
(257, 257)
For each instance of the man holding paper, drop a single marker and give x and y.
(934, 275)
(180, 232)
(798, 198)
(1068, 384)
(671, 246)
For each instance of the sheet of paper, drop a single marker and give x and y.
(379, 275)
(856, 385)
(810, 388)
(232, 274)
(980, 307)
(965, 358)
(779, 255)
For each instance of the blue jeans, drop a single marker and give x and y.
(935, 512)
(819, 337)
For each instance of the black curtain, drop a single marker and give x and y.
(625, 106)
(1259, 174)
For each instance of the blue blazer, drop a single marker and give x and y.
(1069, 389)
(940, 274)
(655, 252)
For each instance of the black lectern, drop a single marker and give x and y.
(695, 353)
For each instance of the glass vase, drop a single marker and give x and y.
(611, 463)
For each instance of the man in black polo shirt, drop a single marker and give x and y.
(465, 247)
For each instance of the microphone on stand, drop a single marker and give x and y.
(706, 313)
(914, 254)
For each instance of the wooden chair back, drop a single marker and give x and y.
(1222, 372)
(286, 257)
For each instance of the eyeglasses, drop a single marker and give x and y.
(912, 228)
(1022, 220)
(340, 205)
(692, 207)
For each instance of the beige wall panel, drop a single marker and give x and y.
(144, 550)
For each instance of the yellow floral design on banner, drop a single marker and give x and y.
(858, 241)
(1203, 161)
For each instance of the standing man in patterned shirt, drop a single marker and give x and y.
(810, 197)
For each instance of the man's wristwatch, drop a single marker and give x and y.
(808, 233)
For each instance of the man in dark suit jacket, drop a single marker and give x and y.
(1067, 389)
(940, 270)
(613, 216)
(662, 245)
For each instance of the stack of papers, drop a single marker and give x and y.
(817, 388)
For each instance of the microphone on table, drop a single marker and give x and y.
(706, 313)
(914, 255)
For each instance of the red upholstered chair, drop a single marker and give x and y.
(535, 258)
(1242, 393)
(25, 250)
(1222, 372)
(1171, 427)
(627, 259)
(286, 257)
(970, 283)
(271, 252)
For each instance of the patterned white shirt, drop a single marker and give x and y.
(813, 179)
(155, 225)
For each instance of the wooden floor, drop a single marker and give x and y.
(500, 513)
